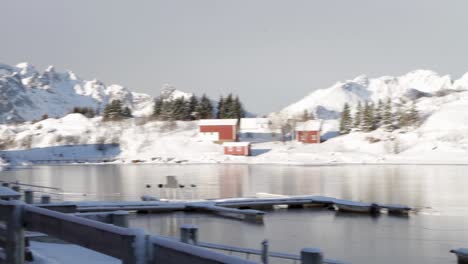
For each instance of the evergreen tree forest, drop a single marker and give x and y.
(116, 111)
(198, 108)
(386, 115)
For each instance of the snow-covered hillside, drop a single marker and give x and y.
(441, 139)
(328, 103)
(28, 94)
(442, 136)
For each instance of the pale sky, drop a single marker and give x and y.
(271, 53)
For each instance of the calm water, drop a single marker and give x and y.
(440, 193)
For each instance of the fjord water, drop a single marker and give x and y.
(438, 192)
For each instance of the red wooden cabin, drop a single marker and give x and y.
(237, 148)
(309, 131)
(218, 130)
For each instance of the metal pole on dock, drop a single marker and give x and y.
(28, 196)
(311, 256)
(265, 251)
(45, 199)
(189, 234)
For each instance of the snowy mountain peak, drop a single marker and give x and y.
(26, 94)
(361, 80)
(26, 69)
(327, 103)
(169, 93)
(72, 76)
(50, 69)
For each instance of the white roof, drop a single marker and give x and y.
(311, 125)
(254, 122)
(217, 122)
(236, 144)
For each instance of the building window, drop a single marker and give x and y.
(313, 137)
(303, 137)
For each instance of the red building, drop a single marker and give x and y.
(308, 131)
(218, 130)
(237, 148)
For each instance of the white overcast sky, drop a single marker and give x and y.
(271, 53)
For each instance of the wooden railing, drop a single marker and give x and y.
(132, 246)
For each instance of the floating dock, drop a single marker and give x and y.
(249, 209)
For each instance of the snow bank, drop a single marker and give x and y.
(75, 138)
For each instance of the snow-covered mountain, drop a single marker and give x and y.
(28, 94)
(328, 103)
(170, 93)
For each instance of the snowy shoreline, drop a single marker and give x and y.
(6, 166)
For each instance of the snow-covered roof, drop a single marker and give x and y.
(311, 125)
(236, 144)
(217, 122)
(250, 123)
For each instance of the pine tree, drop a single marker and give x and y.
(192, 105)
(177, 109)
(400, 117)
(378, 114)
(229, 108)
(345, 121)
(205, 108)
(368, 117)
(358, 116)
(413, 115)
(157, 108)
(387, 116)
(220, 108)
(238, 109)
(113, 111)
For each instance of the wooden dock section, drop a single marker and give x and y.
(249, 209)
(246, 214)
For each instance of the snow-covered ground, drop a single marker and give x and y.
(26, 94)
(441, 139)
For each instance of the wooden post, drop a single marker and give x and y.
(311, 256)
(15, 234)
(189, 234)
(120, 218)
(45, 199)
(265, 251)
(28, 196)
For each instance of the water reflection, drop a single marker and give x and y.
(425, 237)
(440, 187)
